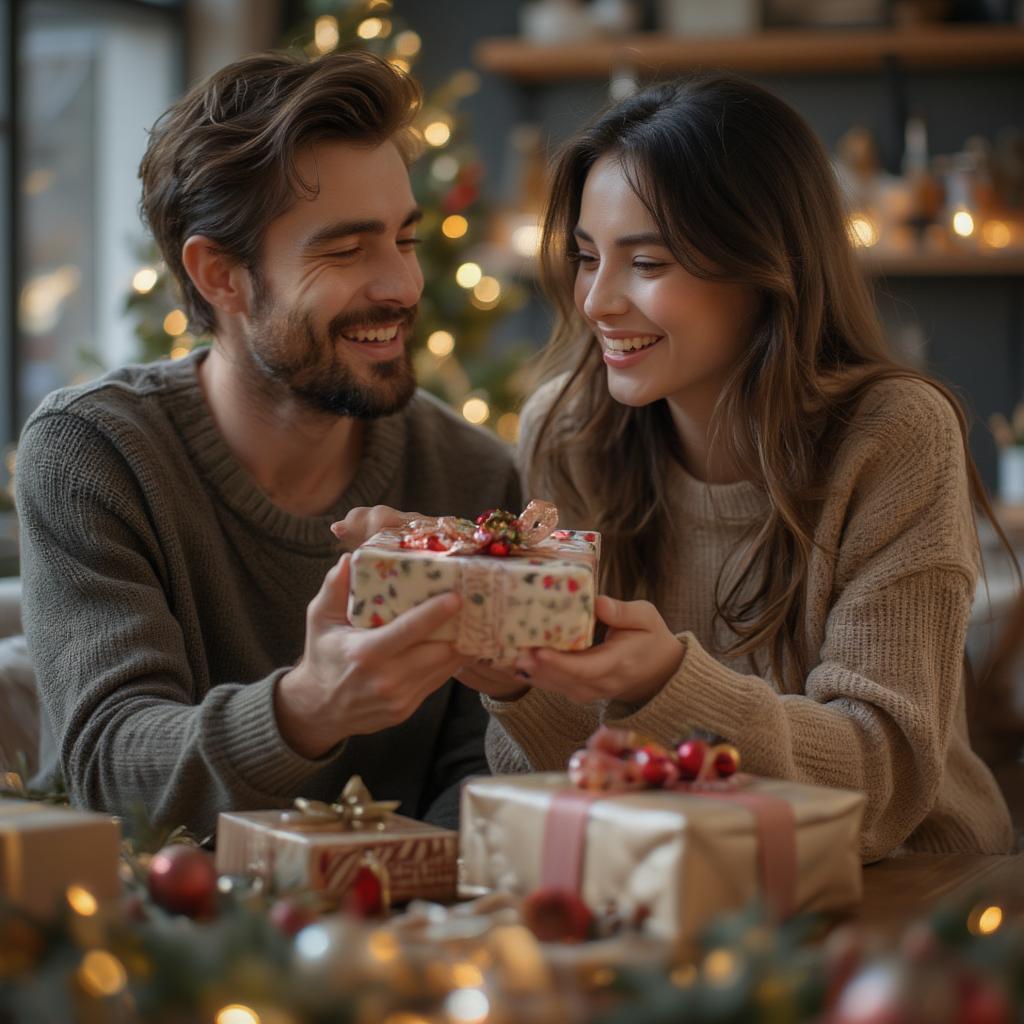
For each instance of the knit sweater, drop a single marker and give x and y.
(891, 581)
(165, 595)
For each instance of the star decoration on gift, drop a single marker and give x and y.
(354, 809)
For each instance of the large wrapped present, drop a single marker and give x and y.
(676, 856)
(523, 583)
(44, 850)
(324, 848)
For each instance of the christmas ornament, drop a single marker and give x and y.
(354, 809)
(289, 916)
(496, 532)
(183, 880)
(557, 915)
(370, 892)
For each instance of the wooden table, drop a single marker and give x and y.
(903, 889)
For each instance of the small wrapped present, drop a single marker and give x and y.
(46, 849)
(523, 583)
(707, 841)
(326, 847)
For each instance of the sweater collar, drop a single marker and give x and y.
(740, 502)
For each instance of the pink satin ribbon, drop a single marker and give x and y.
(565, 837)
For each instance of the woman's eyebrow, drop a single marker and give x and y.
(643, 238)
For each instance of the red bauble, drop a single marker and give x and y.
(183, 880)
(654, 765)
(557, 915)
(290, 917)
(727, 760)
(691, 754)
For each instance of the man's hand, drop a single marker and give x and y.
(499, 683)
(638, 657)
(362, 523)
(351, 681)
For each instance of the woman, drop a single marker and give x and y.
(786, 510)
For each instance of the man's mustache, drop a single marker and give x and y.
(374, 316)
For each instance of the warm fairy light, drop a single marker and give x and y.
(441, 344)
(464, 83)
(602, 977)
(236, 1013)
(101, 974)
(526, 240)
(487, 290)
(508, 427)
(454, 226)
(684, 975)
(175, 323)
(371, 28)
(180, 351)
(325, 33)
(469, 275)
(437, 133)
(444, 168)
(719, 967)
(466, 975)
(476, 410)
(864, 231)
(963, 223)
(407, 44)
(144, 280)
(984, 920)
(467, 1006)
(400, 64)
(996, 233)
(383, 946)
(81, 900)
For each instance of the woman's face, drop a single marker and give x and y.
(663, 332)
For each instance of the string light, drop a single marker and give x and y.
(467, 1006)
(444, 168)
(684, 975)
(373, 28)
(407, 44)
(984, 920)
(468, 275)
(81, 900)
(183, 347)
(526, 240)
(383, 946)
(720, 967)
(437, 133)
(996, 233)
(454, 226)
(441, 344)
(863, 231)
(325, 33)
(101, 974)
(476, 410)
(508, 427)
(175, 323)
(487, 290)
(236, 1013)
(466, 975)
(963, 223)
(145, 280)
(464, 83)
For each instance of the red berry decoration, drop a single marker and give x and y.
(498, 548)
(691, 755)
(726, 760)
(183, 880)
(557, 915)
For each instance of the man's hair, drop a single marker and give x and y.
(221, 161)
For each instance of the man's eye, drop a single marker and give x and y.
(410, 241)
(343, 255)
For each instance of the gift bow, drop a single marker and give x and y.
(495, 532)
(354, 809)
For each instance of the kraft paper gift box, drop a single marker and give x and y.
(45, 849)
(685, 857)
(538, 595)
(419, 860)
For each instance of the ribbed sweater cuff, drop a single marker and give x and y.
(247, 733)
(702, 693)
(528, 722)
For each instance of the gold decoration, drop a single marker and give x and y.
(355, 809)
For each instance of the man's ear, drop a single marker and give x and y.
(221, 280)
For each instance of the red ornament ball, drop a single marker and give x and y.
(691, 754)
(557, 915)
(654, 765)
(290, 917)
(183, 880)
(727, 760)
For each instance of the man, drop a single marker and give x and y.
(184, 605)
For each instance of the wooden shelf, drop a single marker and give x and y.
(775, 50)
(926, 264)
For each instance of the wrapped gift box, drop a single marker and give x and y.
(681, 857)
(44, 849)
(542, 596)
(420, 859)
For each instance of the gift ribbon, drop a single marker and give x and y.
(565, 833)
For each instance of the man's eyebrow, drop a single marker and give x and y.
(347, 228)
(645, 238)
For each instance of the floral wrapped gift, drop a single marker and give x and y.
(37, 865)
(672, 837)
(329, 848)
(523, 583)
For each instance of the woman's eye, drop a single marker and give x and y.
(647, 265)
(582, 257)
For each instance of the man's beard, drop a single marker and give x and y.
(312, 364)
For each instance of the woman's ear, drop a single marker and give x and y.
(221, 280)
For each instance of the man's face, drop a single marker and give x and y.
(336, 292)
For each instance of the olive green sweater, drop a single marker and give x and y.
(165, 595)
(892, 577)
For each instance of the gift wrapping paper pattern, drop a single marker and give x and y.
(538, 597)
(686, 857)
(420, 859)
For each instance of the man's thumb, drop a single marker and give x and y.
(332, 600)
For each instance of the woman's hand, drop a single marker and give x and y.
(498, 683)
(638, 657)
(362, 523)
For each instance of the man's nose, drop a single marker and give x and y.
(398, 281)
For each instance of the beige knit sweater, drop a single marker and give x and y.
(882, 709)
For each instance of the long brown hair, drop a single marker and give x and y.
(221, 161)
(737, 182)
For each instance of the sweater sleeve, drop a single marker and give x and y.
(113, 673)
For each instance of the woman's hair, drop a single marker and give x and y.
(743, 192)
(221, 161)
